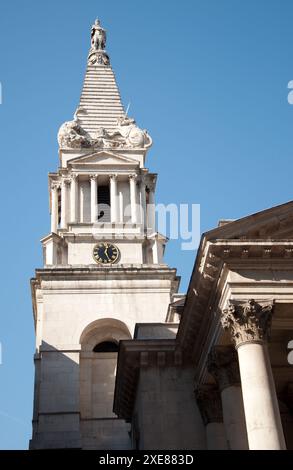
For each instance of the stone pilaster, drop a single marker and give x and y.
(54, 207)
(64, 201)
(210, 405)
(223, 366)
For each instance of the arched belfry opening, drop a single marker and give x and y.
(106, 346)
(99, 349)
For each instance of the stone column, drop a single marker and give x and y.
(73, 198)
(64, 193)
(249, 325)
(54, 207)
(82, 202)
(94, 198)
(223, 366)
(113, 197)
(151, 218)
(155, 252)
(143, 201)
(210, 407)
(132, 183)
(120, 206)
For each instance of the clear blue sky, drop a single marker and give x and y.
(207, 78)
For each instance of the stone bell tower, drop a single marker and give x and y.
(103, 266)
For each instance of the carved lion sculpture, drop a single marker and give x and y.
(133, 135)
(72, 135)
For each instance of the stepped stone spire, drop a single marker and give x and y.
(100, 102)
(100, 120)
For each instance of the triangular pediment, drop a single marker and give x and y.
(103, 158)
(272, 224)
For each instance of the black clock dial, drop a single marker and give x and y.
(105, 253)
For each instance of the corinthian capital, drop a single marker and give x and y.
(249, 322)
(223, 366)
(55, 185)
(66, 181)
(151, 185)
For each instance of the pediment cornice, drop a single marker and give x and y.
(273, 223)
(103, 157)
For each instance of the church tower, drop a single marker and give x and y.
(103, 266)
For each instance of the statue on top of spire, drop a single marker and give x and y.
(98, 36)
(97, 54)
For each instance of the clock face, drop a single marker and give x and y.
(106, 253)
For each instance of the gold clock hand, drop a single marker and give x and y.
(106, 252)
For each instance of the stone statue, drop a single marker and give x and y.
(133, 135)
(97, 54)
(98, 36)
(72, 135)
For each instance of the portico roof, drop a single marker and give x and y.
(261, 239)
